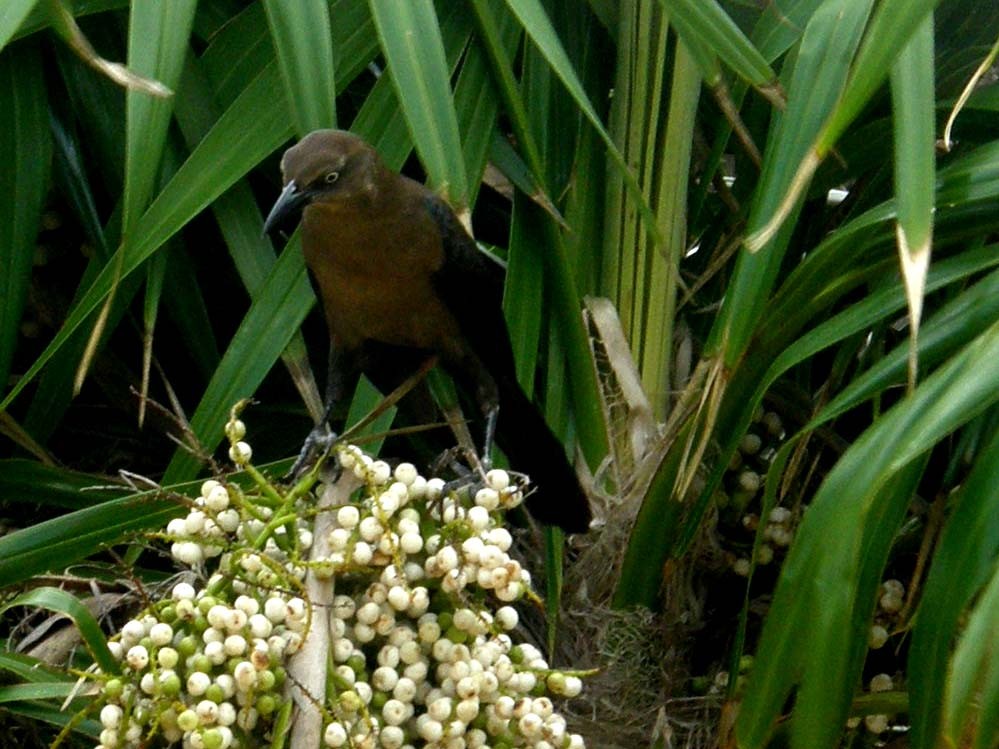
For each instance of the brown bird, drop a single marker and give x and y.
(400, 280)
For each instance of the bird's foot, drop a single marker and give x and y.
(473, 478)
(316, 447)
(504, 485)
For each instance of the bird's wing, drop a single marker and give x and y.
(470, 283)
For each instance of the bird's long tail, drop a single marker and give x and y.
(532, 448)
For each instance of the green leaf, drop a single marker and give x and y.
(302, 38)
(25, 151)
(954, 578)
(411, 40)
(254, 126)
(840, 549)
(707, 22)
(972, 705)
(894, 23)
(953, 325)
(539, 28)
(157, 42)
(45, 690)
(40, 712)
(779, 27)
(41, 16)
(64, 540)
(381, 121)
(237, 53)
(559, 278)
(62, 602)
(819, 74)
(31, 669)
(913, 105)
(31, 482)
(241, 224)
(12, 14)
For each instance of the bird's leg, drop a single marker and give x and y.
(475, 375)
(321, 438)
(487, 394)
(492, 413)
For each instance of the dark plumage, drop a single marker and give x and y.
(399, 280)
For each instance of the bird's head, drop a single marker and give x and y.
(325, 167)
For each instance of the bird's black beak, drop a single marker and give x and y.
(287, 209)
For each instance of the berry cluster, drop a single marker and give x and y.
(421, 652)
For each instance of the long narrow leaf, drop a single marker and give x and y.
(12, 14)
(32, 551)
(158, 36)
(954, 579)
(913, 118)
(891, 28)
(62, 602)
(707, 21)
(302, 38)
(973, 683)
(820, 73)
(411, 41)
(26, 481)
(25, 152)
(539, 28)
(37, 691)
(253, 127)
(157, 42)
(821, 573)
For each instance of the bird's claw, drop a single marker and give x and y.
(472, 479)
(316, 446)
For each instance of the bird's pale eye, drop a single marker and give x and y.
(331, 177)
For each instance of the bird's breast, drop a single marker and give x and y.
(375, 277)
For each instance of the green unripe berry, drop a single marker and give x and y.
(456, 635)
(516, 654)
(202, 663)
(205, 604)
(113, 689)
(266, 704)
(556, 682)
(170, 686)
(188, 720)
(378, 700)
(266, 680)
(212, 739)
(215, 693)
(187, 646)
(357, 663)
(351, 701)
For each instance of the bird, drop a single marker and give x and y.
(399, 280)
